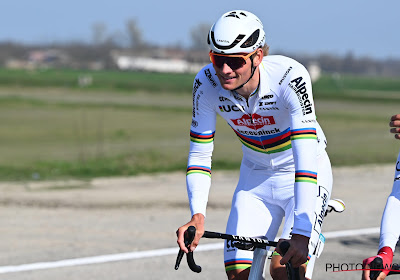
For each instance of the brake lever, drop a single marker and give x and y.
(188, 239)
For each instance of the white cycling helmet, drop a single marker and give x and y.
(236, 31)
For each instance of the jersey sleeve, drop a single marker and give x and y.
(390, 226)
(297, 95)
(198, 176)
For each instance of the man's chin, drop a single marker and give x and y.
(228, 86)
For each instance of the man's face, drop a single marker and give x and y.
(232, 78)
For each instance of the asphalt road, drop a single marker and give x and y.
(124, 228)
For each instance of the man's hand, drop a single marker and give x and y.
(395, 125)
(198, 222)
(386, 254)
(298, 250)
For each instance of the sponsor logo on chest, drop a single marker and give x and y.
(254, 121)
(267, 106)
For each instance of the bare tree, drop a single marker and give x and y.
(199, 36)
(99, 30)
(117, 38)
(134, 34)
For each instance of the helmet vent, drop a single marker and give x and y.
(251, 40)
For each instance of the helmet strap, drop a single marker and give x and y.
(253, 70)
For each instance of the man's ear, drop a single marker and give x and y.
(258, 57)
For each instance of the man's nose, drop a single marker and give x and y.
(226, 69)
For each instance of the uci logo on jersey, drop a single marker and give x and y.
(228, 108)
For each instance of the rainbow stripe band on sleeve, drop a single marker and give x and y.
(304, 133)
(198, 169)
(203, 138)
(341, 202)
(306, 176)
(238, 264)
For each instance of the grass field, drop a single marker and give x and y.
(124, 123)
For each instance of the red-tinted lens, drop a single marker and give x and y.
(233, 62)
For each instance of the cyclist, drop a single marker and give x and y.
(395, 125)
(268, 102)
(390, 226)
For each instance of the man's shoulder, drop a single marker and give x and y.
(281, 62)
(207, 77)
(282, 69)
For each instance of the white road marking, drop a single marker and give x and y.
(152, 253)
(351, 232)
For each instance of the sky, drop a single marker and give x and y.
(364, 28)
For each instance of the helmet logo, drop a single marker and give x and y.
(235, 42)
(233, 14)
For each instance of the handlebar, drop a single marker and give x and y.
(191, 232)
(188, 239)
(243, 243)
(292, 273)
(377, 263)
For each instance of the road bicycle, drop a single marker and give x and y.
(257, 244)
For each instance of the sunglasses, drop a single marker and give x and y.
(234, 61)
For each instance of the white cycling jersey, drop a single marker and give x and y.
(276, 126)
(390, 226)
